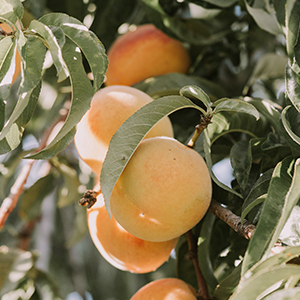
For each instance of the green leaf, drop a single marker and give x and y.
(292, 87)
(7, 49)
(262, 281)
(129, 135)
(86, 40)
(11, 134)
(30, 204)
(195, 92)
(204, 253)
(235, 105)
(82, 94)
(289, 117)
(286, 294)
(265, 17)
(33, 56)
(11, 10)
(283, 194)
(15, 264)
(220, 3)
(54, 46)
(241, 162)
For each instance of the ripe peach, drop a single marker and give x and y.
(166, 289)
(17, 71)
(110, 107)
(143, 53)
(164, 190)
(121, 249)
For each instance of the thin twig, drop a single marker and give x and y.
(10, 202)
(203, 290)
(245, 229)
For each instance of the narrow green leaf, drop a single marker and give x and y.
(220, 3)
(54, 46)
(82, 94)
(11, 134)
(195, 92)
(13, 262)
(2, 114)
(204, 241)
(129, 135)
(263, 280)
(33, 56)
(7, 49)
(11, 10)
(288, 129)
(241, 162)
(283, 194)
(235, 105)
(286, 294)
(86, 40)
(30, 204)
(292, 87)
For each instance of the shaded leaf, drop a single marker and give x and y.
(283, 194)
(7, 49)
(30, 204)
(292, 87)
(129, 135)
(82, 94)
(221, 3)
(11, 134)
(195, 92)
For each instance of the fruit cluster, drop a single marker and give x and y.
(165, 189)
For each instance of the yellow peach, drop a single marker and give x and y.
(110, 107)
(17, 70)
(163, 192)
(120, 248)
(166, 289)
(143, 53)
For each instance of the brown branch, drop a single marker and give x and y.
(202, 286)
(10, 202)
(245, 229)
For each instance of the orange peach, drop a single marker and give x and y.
(110, 107)
(166, 289)
(17, 70)
(121, 249)
(143, 53)
(163, 192)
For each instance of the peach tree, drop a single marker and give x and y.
(238, 106)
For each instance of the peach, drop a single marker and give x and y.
(121, 249)
(166, 289)
(163, 192)
(17, 70)
(143, 53)
(110, 107)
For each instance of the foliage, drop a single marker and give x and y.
(245, 76)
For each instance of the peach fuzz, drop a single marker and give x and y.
(143, 53)
(110, 107)
(166, 289)
(17, 70)
(121, 249)
(163, 192)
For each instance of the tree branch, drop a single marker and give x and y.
(245, 229)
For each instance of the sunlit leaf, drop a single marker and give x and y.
(283, 194)
(82, 93)
(261, 281)
(15, 264)
(11, 134)
(11, 10)
(33, 55)
(129, 135)
(293, 87)
(194, 92)
(286, 294)
(7, 48)
(53, 45)
(86, 40)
